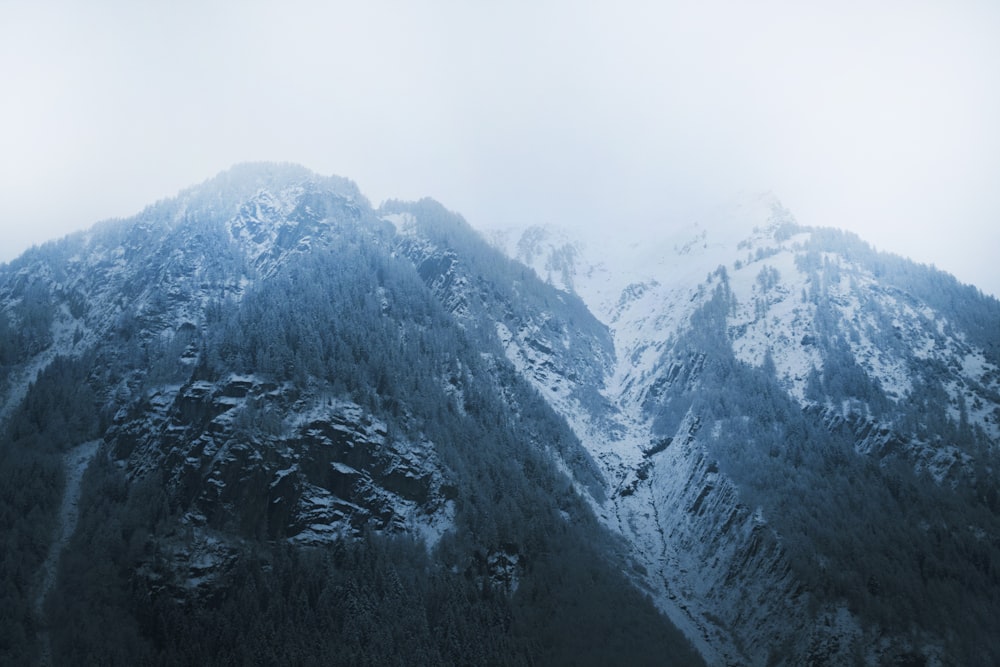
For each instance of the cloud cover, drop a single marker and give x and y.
(874, 117)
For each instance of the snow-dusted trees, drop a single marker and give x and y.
(352, 319)
(900, 549)
(27, 329)
(59, 410)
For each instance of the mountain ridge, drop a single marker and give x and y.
(271, 378)
(269, 360)
(768, 323)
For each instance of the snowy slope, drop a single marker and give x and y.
(686, 521)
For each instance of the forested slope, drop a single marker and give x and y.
(307, 458)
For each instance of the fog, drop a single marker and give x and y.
(632, 115)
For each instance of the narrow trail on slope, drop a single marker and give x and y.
(75, 463)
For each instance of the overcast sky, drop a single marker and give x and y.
(878, 117)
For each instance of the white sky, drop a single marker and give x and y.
(879, 117)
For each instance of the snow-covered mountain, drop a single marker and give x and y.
(517, 450)
(766, 373)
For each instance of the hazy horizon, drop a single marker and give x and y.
(878, 120)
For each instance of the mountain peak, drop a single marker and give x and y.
(794, 437)
(222, 195)
(252, 176)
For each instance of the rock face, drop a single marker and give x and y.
(790, 438)
(322, 471)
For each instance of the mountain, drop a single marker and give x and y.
(265, 422)
(804, 445)
(294, 451)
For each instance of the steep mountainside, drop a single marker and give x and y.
(333, 434)
(305, 456)
(806, 456)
